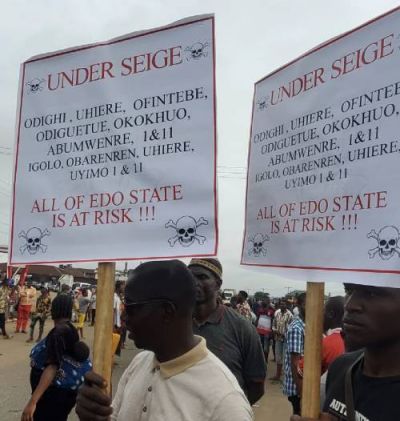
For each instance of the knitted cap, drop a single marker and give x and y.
(213, 265)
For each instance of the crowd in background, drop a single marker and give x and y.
(28, 307)
(240, 333)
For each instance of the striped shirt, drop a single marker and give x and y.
(294, 344)
(281, 323)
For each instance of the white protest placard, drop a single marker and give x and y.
(323, 192)
(116, 149)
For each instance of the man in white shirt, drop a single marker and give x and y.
(117, 313)
(176, 378)
(117, 306)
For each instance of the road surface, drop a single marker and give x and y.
(15, 389)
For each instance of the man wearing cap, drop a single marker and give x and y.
(228, 335)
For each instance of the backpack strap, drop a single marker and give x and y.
(348, 389)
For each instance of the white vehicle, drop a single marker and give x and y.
(228, 294)
(81, 285)
(66, 279)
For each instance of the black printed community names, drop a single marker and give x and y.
(112, 139)
(322, 146)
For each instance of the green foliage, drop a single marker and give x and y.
(260, 296)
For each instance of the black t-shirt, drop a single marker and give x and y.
(235, 341)
(375, 399)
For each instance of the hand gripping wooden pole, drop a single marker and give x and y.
(310, 405)
(103, 329)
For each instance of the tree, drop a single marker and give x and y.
(260, 296)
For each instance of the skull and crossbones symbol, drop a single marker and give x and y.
(257, 245)
(197, 50)
(186, 231)
(35, 85)
(387, 238)
(262, 103)
(33, 240)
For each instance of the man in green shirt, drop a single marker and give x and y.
(229, 336)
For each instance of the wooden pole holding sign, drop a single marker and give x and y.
(310, 406)
(103, 329)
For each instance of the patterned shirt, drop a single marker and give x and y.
(3, 299)
(281, 323)
(244, 309)
(294, 344)
(43, 306)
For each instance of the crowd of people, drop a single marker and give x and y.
(203, 358)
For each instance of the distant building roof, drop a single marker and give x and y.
(54, 271)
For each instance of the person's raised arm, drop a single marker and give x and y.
(92, 402)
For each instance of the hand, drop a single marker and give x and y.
(29, 410)
(92, 402)
(323, 417)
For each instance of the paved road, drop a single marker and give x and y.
(15, 390)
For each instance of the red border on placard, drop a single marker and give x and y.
(317, 48)
(101, 44)
(16, 166)
(215, 142)
(326, 43)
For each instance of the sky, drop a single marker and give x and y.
(252, 39)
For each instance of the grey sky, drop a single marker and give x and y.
(252, 39)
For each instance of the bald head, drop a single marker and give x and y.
(169, 280)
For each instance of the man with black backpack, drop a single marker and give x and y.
(364, 385)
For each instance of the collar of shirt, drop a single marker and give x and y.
(214, 318)
(297, 321)
(180, 364)
(330, 332)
